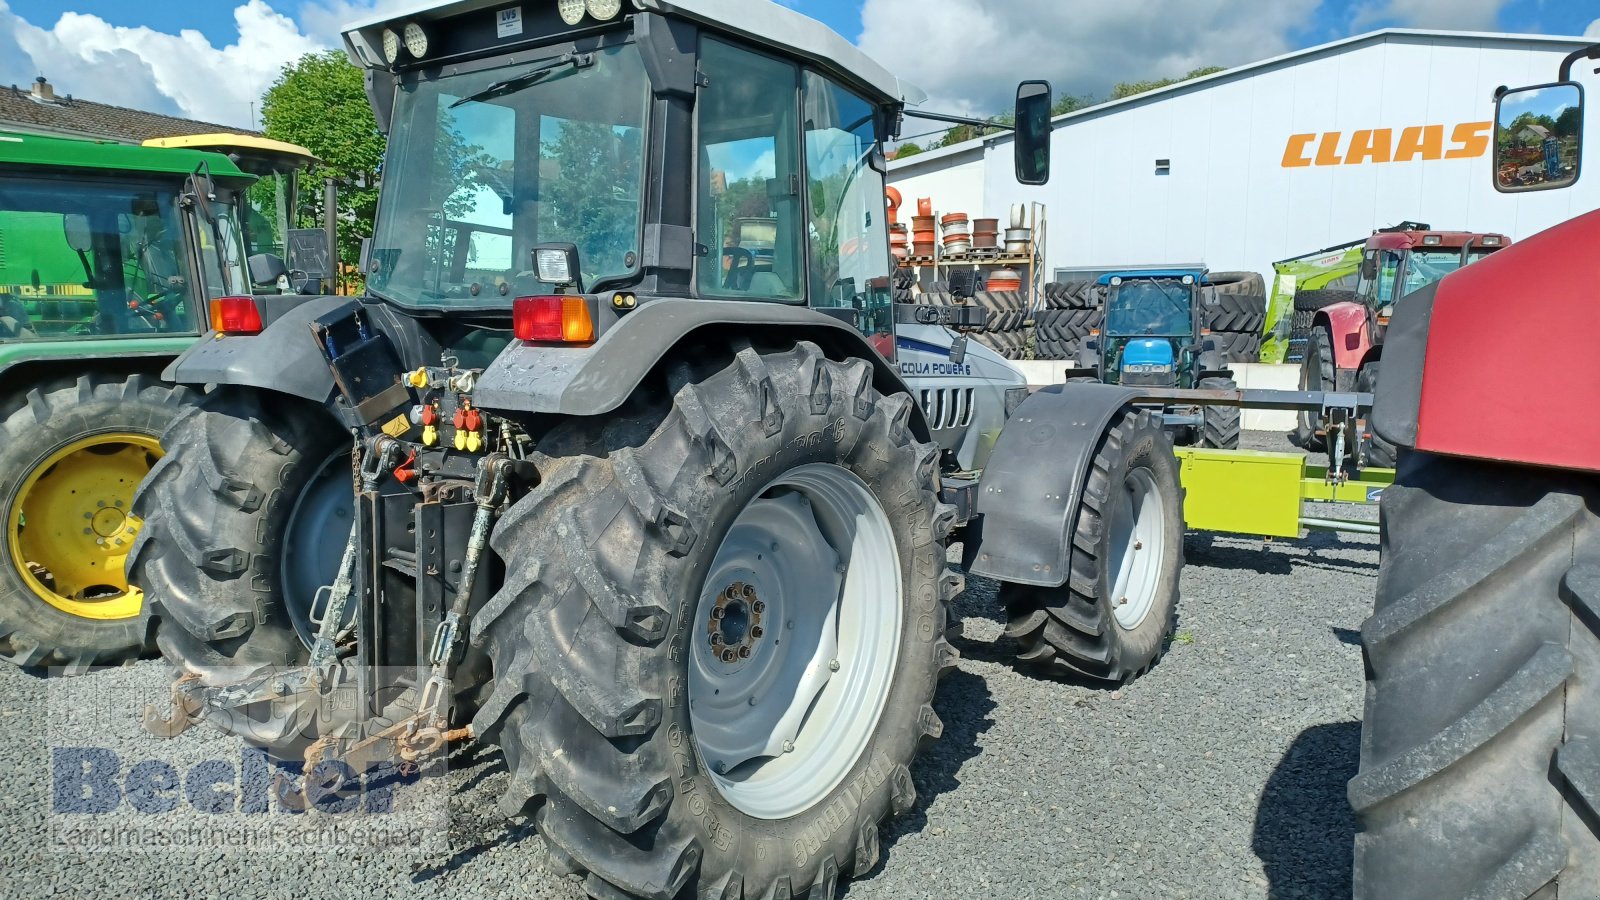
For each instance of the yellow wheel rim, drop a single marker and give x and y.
(70, 526)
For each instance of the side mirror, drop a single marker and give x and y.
(1538, 137)
(79, 236)
(1034, 102)
(266, 269)
(203, 193)
(1369, 268)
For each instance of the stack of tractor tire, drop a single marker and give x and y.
(1072, 310)
(1306, 305)
(1239, 314)
(1006, 333)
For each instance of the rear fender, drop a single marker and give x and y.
(599, 378)
(1031, 488)
(284, 358)
(1348, 327)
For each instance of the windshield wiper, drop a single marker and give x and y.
(527, 79)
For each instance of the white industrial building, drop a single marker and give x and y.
(1277, 158)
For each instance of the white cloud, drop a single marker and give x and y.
(324, 20)
(1593, 30)
(970, 56)
(182, 74)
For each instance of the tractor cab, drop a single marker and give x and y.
(636, 150)
(270, 215)
(1408, 257)
(1152, 323)
(104, 241)
(1153, 337)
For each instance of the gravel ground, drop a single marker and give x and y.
(1221, 774)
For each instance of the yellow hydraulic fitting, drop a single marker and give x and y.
(418, 379)
(430, 436)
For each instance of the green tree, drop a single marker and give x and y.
(1067, 103)
(320, 103)
(1568, 122)
(908, 150)
(593, 201)
(1125, 89)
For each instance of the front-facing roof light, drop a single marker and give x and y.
(572, 11)
(391, 46)
(416, 40)
(604, 9)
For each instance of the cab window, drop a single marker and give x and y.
(849, 251)
(750, 208)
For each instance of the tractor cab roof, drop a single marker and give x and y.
(242, 147)
(1197, 274)
(464, 29)
(72, 153)
(1449, 240)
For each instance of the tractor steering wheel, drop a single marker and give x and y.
(743, 271)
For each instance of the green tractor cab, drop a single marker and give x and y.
(109, 258)
(1153, 337)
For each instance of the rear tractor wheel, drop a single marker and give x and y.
(246, 519)
(1110, 621)
(716, 646)
(71, 455)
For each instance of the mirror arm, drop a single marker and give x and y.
(1572, 60)
(960, 120)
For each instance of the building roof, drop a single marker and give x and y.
(70, 153)
(38, 109)
(759, 21)
(1247, 70)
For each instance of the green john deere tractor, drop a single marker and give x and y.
(109, 257)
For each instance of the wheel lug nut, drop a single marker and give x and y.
(721, 767)
(718, 612)
(1138, 545)
(759, 606)
(756, 631)
(752, 701)
(788, 746)
(744, 652)
(749, 592)
(716, 640)
(1123, 602)
(833, 665)
(729, 656)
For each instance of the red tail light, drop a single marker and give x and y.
(553, 320)
(236, 315)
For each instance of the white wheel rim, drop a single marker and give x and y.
(1137, 522)
(807, 583)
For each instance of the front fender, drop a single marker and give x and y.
(283, 358)
(599, 378)
(1348, 326)
(1034, 481)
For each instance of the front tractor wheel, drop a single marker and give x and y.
(722, 623)
(71, 456)
(1480, 742)
(1110, 621)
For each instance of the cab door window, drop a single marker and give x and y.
(849, 243)
(750, 209)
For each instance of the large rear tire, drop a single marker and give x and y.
(666, 539)
(245, 519)
(1481, 740)
(1379, 452)
(1111, 620)
(71, 454)
(1316, 374)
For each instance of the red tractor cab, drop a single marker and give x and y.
(1345, 341)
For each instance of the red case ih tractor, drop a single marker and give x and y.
(1344, 341)
(1480, 757)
